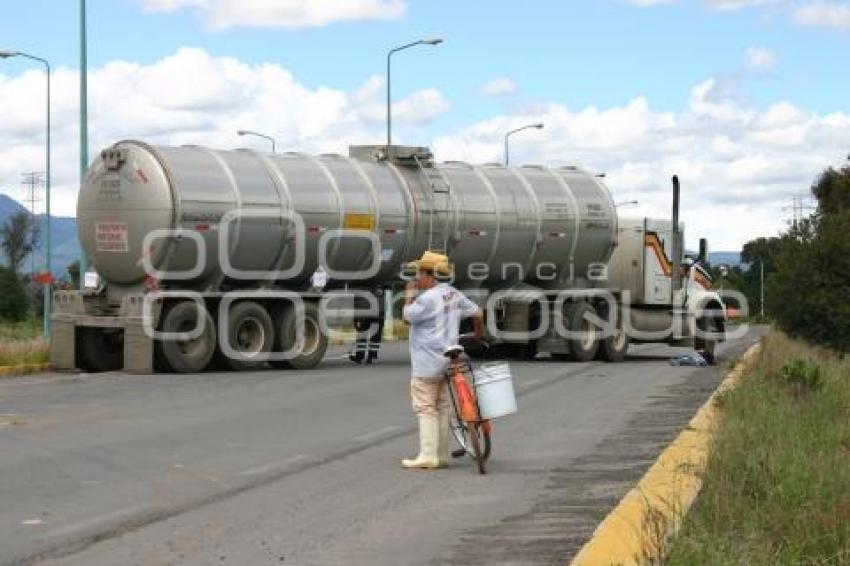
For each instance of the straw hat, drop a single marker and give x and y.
(432, 261)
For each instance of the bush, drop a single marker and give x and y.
(802, 375)
(13, 297)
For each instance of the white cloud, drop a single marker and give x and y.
(222, 14)
(760, 58)
(739, 165)
(834, 14)
(824, 14)
(738, 4)
(191, 97)
(646, 3)
(501, 86)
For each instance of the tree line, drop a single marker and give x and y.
(806, 268)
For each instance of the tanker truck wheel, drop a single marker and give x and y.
(100, 349)
(309, 351)
(613, 348)
(584, 345)
(707, 344)
(185, 356)
(250, 332)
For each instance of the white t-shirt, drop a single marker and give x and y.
(434, 319)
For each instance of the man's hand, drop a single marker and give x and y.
(478, 325)
(410, 291)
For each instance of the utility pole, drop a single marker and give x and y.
(32, 182)
(761, 294)
(801, 208)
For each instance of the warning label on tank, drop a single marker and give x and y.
(111, 237)
(359, 222)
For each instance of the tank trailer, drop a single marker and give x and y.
(204, 258)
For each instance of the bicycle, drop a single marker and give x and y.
(470, 431)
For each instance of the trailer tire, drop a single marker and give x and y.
(186, 356)
(250, 331)
(614, 348)
(582, 348)
(315, 342)
(100, 350)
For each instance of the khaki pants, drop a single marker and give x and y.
(429, 396)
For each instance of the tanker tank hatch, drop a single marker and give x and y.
(400, 154)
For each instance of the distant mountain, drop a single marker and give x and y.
(66, 247)
(732, 259)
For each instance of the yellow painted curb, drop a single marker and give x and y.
(23, 369)
(635, 531)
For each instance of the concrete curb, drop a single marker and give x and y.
(636, 530)
(23, 369)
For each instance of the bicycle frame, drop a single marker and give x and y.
(462, 393)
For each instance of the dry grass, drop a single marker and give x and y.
(22, 343)
(777, 485)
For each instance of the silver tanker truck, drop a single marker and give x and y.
(205, 257)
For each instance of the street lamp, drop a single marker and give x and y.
(434, 41)
(84, 124)
(257, 134)
(626, 203)
(538, 126)
(6, 54)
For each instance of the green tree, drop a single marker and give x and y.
(13, 296)
(74, 273)
(809, 293)
(19, 238)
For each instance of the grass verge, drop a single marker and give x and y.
(777, 484)
(21, 343)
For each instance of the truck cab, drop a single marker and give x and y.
(681, 308)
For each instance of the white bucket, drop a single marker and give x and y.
(494, 387)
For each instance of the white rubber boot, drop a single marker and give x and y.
(429, 435)
(443, 439)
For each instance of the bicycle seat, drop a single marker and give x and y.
(453, 351)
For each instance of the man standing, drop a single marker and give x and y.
(434, 311)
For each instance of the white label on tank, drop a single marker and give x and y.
(556, 210)
(111, 237)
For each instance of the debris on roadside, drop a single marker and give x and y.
(691, 359)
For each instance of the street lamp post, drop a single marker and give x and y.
(84, 123)
(5, 54)
(434, 41)
(259, 135)
(626, 203)
(538, 126)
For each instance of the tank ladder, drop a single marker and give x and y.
(439, 187)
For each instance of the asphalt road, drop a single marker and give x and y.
(303, 467)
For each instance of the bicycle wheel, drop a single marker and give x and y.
(460, 432)
(461, 435)
(474, 441)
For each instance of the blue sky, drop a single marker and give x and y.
(616, 81)
(579, 52)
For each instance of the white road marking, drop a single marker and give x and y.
(30, 522)
(377, 434)
(281, 466)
